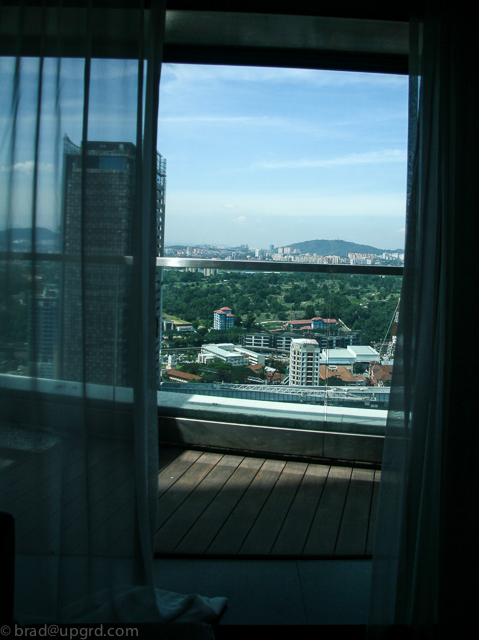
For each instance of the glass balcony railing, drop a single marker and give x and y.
(308, 349)
(341, 317)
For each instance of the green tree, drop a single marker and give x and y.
(309, 312)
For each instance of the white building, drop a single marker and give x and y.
(304, 360)
(364, 354)
(224, 351)
(347, 357)
(342, 357)
(253, 357)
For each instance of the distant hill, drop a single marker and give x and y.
(25, 234)
(21, 237)
(336, 248)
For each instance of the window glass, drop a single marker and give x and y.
(273, 160)
(283, 166)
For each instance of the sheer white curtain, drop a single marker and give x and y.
(78, 215)
(425, 526)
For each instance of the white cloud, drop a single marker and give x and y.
(371, 157)
(187, 74)
(27, 167)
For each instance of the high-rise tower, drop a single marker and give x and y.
(104, 231)
(43, 320)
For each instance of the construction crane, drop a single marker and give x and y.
(392, 343)
(273, 374)
(371, 379)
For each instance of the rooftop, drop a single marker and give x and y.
(298, 322)
(182, 375)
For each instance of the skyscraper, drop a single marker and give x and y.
(101, 292)
(43, 320)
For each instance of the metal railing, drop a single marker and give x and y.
(223, 265)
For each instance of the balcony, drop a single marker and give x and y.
(241, 474)
(214, 504)
(210, 503)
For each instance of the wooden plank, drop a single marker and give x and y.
(124, 544)
(295, 529)
(353, 531)
(166, 455)
(173, 472)
(325, 526)
(173, 531)
(37, 469)
(263, 533)
(372, 515)
(117, 516)
(75, 526)
(43, 480)
(74, 509)
(201, 535)
(58, 491)
(181, 489)
(236, 528)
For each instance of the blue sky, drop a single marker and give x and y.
(255, 156)
(112, 117)
(274, 156)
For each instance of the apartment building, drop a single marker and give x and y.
(304, 361)
(223, 318)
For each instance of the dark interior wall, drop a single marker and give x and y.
(460, 469)
(460, 477)
(369, 9)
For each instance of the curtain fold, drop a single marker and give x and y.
(406, 557)
(78, 242)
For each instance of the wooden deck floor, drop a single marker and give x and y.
(225, 505)
(43, 486)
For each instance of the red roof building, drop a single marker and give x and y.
(181, 376)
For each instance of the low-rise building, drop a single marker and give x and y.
(282, 341)
(340, 340)
(181, 376)
(253, 357)
(337, 357)
(297, 324)
(321, 323)
(225, 352)
(364, 353)
(341, 373)
(382, 374)
(184, 326)
(258, 340)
